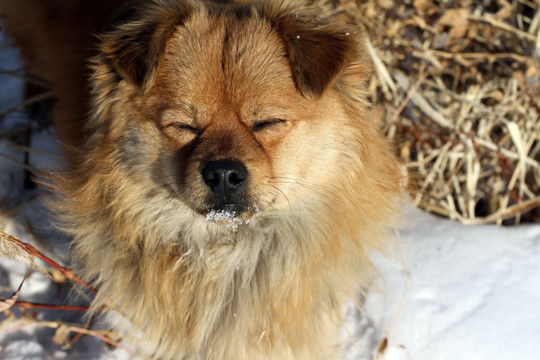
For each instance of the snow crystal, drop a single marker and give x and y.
(225, 217)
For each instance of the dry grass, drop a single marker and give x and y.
(457, 89)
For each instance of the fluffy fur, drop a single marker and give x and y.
(174, 85)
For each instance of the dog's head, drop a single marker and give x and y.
(231, 109)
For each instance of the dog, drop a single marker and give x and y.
(225, 180)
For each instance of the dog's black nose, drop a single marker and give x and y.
(224, 177)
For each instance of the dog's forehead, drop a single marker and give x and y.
(227, 54)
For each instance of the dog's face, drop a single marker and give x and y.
(230, 116)
(229, 109)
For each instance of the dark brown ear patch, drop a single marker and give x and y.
(135, 48)
(318, 52)
(317, 57)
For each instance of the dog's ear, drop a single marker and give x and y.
(134, 48)
(318, 50)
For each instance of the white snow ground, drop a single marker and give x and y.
(460, 293)
(455, 292)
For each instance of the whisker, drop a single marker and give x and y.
(293, 190)
(269, 204)
(172, 196)
(304, 184)
(286, 198)
(297, 181)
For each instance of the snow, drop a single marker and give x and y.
(460, 293)
(449, 292)
(226, 218)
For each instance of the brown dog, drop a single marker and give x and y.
(227, 185)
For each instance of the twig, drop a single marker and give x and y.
(503, 26)
(32, 305)
(5, 304)
(34, 252)
(70, 327)
(18, 163)
(30, 150)
(27, 102)
(422, 103)
(405, 101)
(26, 78)
(385, 78)
(505, 213)
(479, 56)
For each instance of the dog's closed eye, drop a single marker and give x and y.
(182, 126)
(268, 123)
